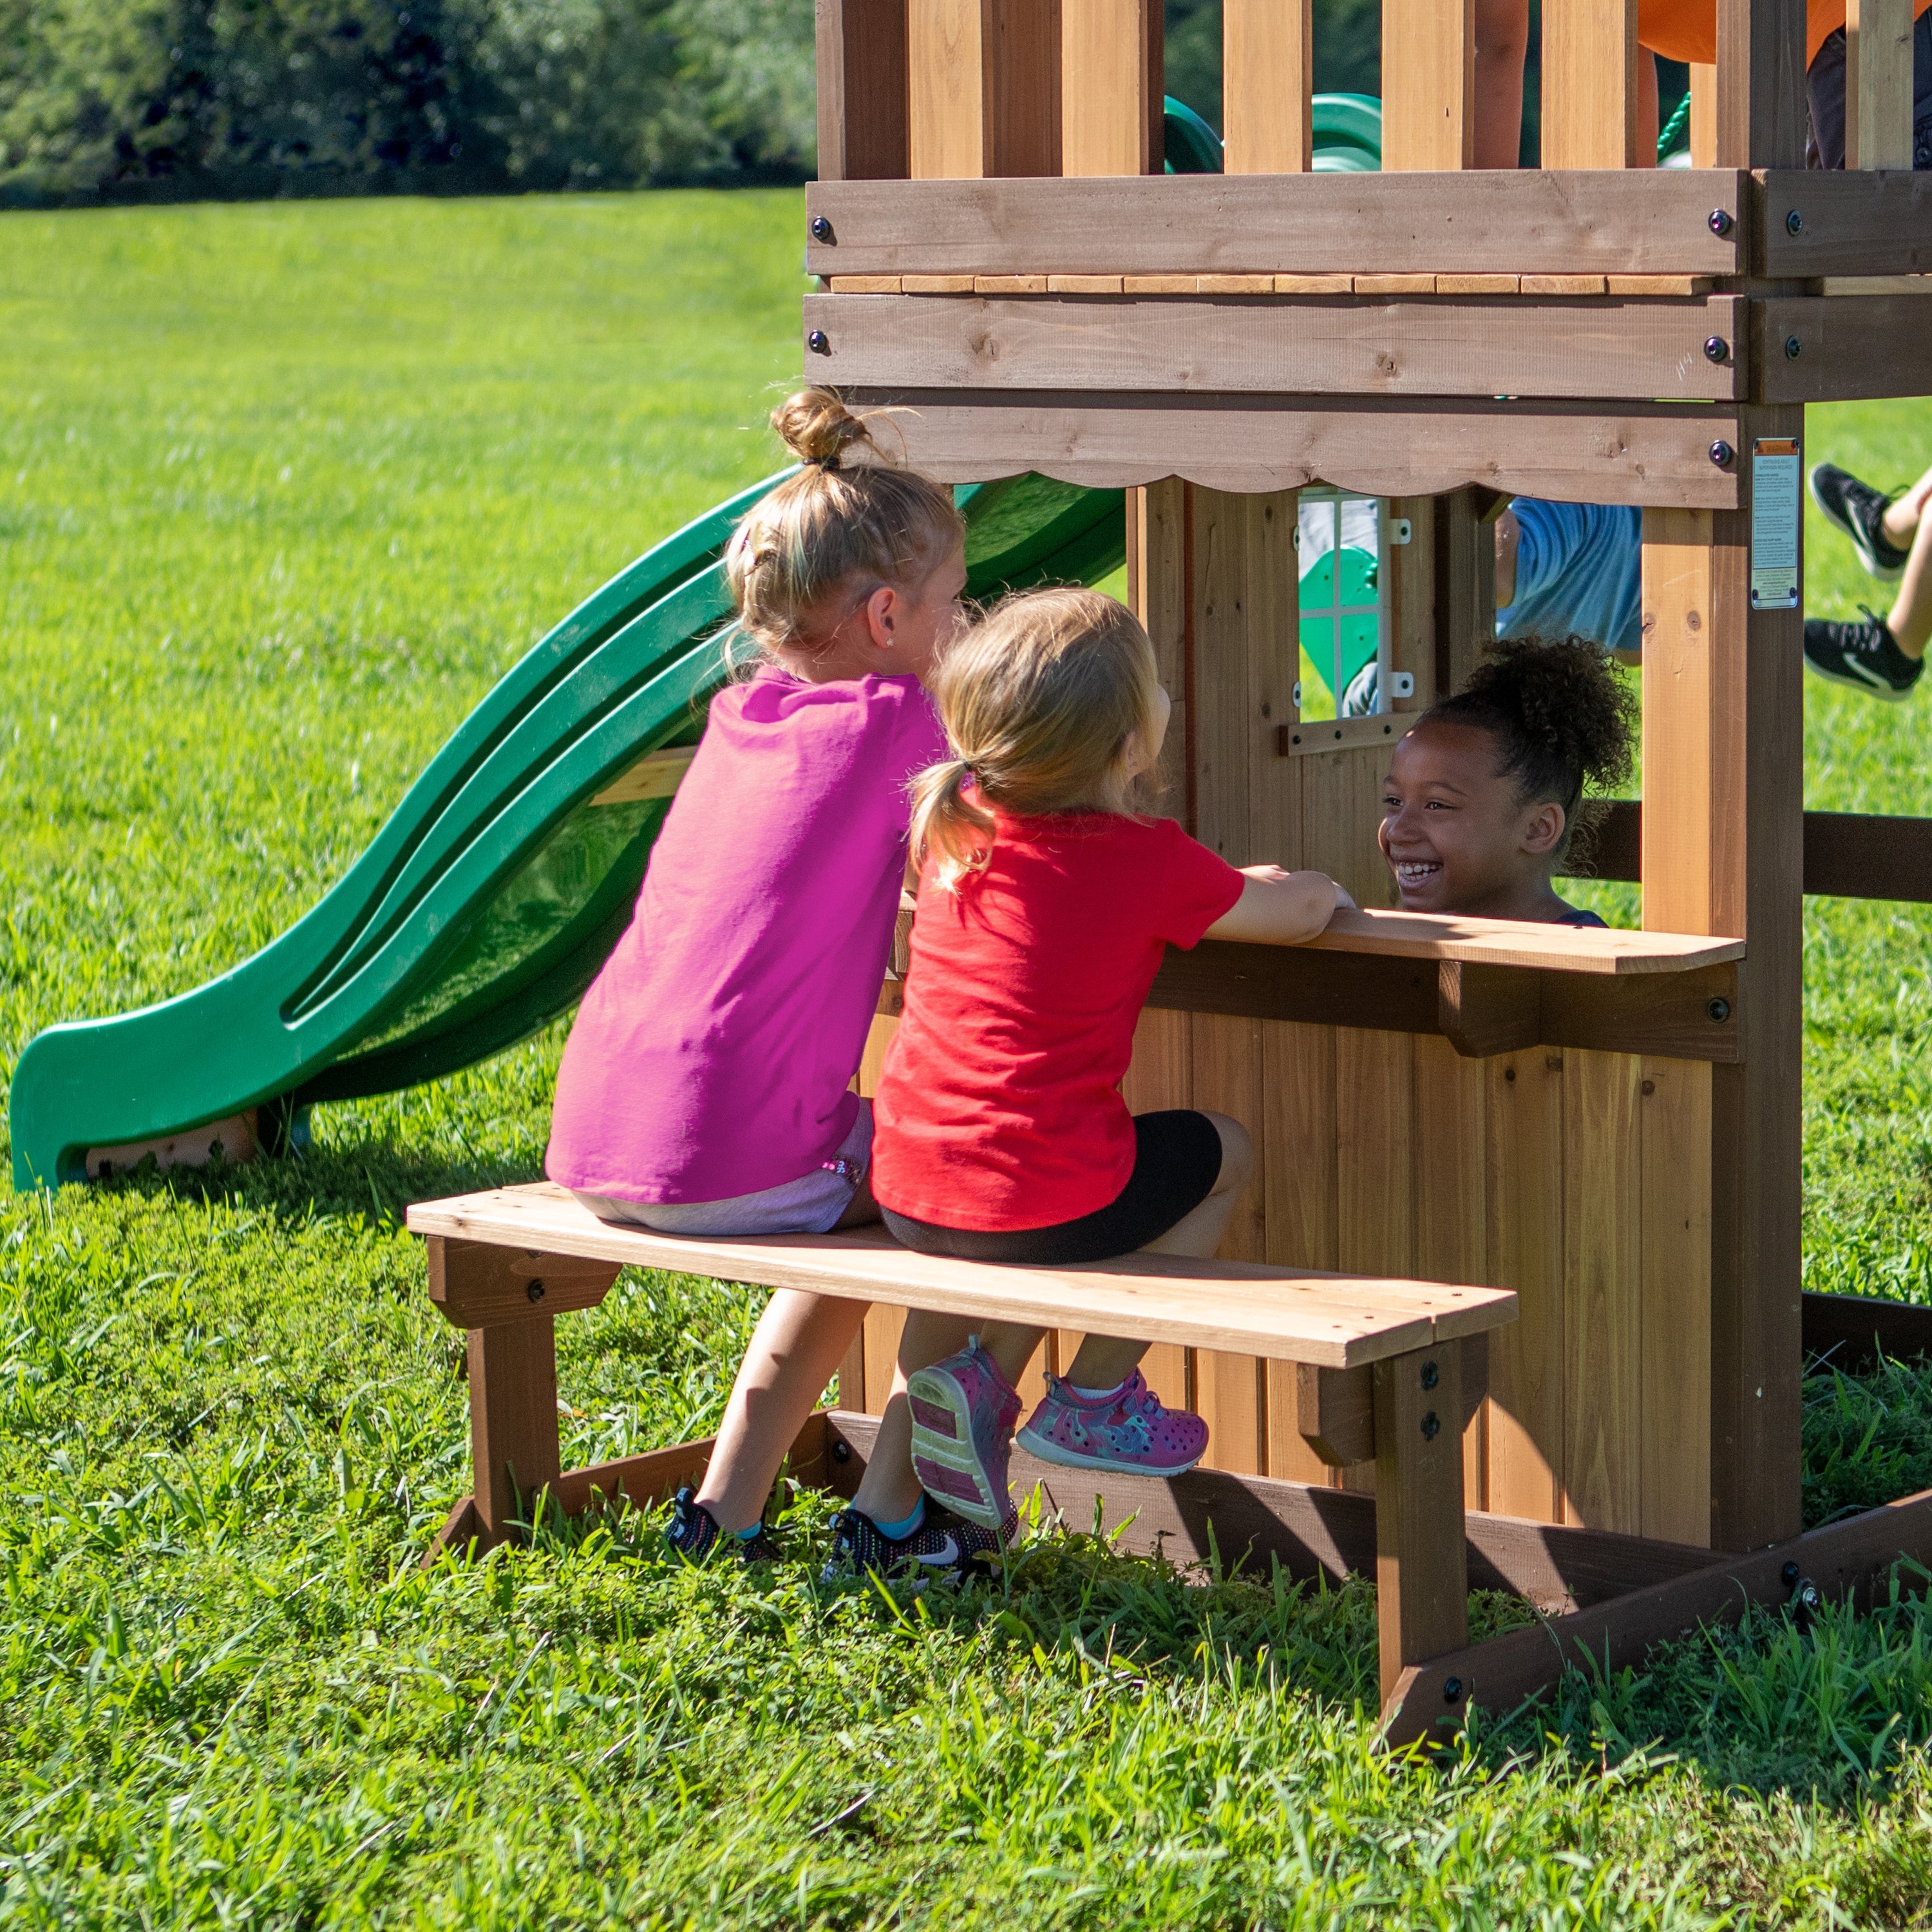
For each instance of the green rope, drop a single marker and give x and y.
(1674, 127)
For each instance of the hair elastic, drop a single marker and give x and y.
(829, 463)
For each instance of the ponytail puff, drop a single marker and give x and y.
(949, 826)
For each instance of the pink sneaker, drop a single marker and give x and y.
(963, 1413)
(1128, 1431)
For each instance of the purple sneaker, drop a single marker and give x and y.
(963, 1413)
(1128, 1431)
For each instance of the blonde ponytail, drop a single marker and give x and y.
(948, 826)
(838, 527)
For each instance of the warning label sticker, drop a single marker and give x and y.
(1777, 509)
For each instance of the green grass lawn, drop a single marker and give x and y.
(282, 490)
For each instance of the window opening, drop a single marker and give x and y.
(1342, 543)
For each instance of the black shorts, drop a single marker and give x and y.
(1177, 1162)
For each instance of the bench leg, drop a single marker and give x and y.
(1422, 1581)
(513, 1438)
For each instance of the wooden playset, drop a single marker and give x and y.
(1524, 1239)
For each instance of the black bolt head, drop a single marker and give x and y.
(535, 1290)
(821, 228)
(1794, 223)
(1716, 349)
(1452, 1689)
(819, 342)
(1719, 1008)
(1789, 1575)
(1793, 348)
(1721, 454)
(1720, 221)
(1430, 1376)
(1431, 1427)
(841, 1450)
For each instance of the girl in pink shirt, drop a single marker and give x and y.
(706, 1086)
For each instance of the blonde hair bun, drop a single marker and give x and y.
(816, 426)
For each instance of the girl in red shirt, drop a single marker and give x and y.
(1046, 897)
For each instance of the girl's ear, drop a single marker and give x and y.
(1544, 832)
(882, 616)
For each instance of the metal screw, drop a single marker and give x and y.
(1429, 1378)
(821, 230)
(1716, 349)
(535, 1290)
(841, 1450)
(1719, 1008)
(1721, 453)
(1794, 223)
(1793, 348)
(1452, 1689)
(1720, 221)
(819, 342)
(1789, 1575)
(1430, 1426)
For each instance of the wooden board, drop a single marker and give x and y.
(1631, 453)
(1848, 224)
(947, 88)
(1110, 62)
(1268, 69)
(1589, 84)
(1415, 935)
(1336, 1321)
(1429, 85)
(1851, 348)
(1480, 346)
(1606, 221)
(861, 90)
(1878, 83)
(1761, 105)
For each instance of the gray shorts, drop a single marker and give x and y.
(810, 1205)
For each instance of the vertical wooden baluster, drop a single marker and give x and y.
(1878, 83)
(1703, 114)
(984, 87)
(513, 1438)
(1589, 85)
(1267, 76)
(1111, 94)
(1428, 84)
(1761, 108)
(861, 90)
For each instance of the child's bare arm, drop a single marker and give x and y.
(1278, 908)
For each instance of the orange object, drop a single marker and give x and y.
(1687, 30)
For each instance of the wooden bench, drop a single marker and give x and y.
(1381, 1363)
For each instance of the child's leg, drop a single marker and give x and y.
(795, 1350)
(1910, 621)
(1905, 512)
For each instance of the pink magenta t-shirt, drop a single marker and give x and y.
(713, 1055)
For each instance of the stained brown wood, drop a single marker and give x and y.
(983, 88)
(1848, 1558)
(861, 90)
(1605, 221)
(1849, 1331)
(1465, 588)
(1476, 346)
(1761, 106)
(1878, 83)
(1851, 347)
(1850, 224)
(1412, 603)
(1632, 453)
(1110, 66)
(477, 1286)
(1428, 80)
(1341, 806)
(1336, 1414)
(1268, 69)
(513, 1440)
(1589, 84)
(1487, 1009)
(1422, 1587)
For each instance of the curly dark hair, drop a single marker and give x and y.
(1562, 720)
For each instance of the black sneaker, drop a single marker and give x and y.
(694, 1532)
(1859, 510)
(943, 1545)
(1866, 656)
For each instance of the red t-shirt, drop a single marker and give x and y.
(999, 1107)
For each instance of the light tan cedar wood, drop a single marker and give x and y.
(1428, 75)
(1298, 1181)
(1272, 603)
(1163, 285)
(1563, 285)
(1223, 732)
(852, 1373)
(1602, 1288)
(1412, 600)
(1659, 285)
(1703, 114)
(1678, 719)
(1524, 1168)
(882, 1326)
(1451, 1226)
(946, 64)
(1084, 285)
(867, 285)
(1416, 284)
(1341, 806)
(1160, 1076)
(1476, 284)
(878, 1038)
(1157, 593)
(1674, 1113)
(1878, 83)
(1332, 284)
(1507, 943)
(936, 285)
(1589, 84)
(1234, 284)
(1267, 76)
(1009, 285)
(1230, 1391)
(656, 775)
(1106, 79)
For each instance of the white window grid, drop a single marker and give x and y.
(1331, 520)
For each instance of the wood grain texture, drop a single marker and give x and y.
(1222, 730)
(1374, 1168)
(1878, 83)
(862, 125)
(1634, 453)
(947, 85)
(1703, 114)
(1604, 1215)
(1589, 84)
(476, 1286)
(1761, 115)
(1679, 858)
(1412, 602)
(1415, 935)
(1268, 69)
(1110, 71)
(1465, 588)
(1674, 1110)
(1848, 224)
(1474, 347)
(1341, 807)
(1606, 221)
(1851, 348)
(513, 1441)
(1429, 85)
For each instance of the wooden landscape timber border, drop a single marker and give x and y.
(1654, 455)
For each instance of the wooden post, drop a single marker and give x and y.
(1761, 108)
(1110, 81)
(861, 90)
(513, 1439)
(984, 87)
(1267, 78)
(1723, 853)
(1428, 84)
(1703, 114)
(1466, 589)
(1421, 1565)
(1589, 84)
(1878, 83)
